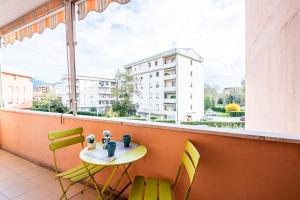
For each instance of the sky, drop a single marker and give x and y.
(126, 33)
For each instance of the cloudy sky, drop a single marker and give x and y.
(125, 33)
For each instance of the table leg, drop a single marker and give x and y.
(109, 179)
(125, 172)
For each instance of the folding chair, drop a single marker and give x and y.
(64, 138)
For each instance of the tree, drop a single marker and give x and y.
(208, 102)
(49, 103)
(242, 94)
(220, 101)
(123, 91)
(230, 99)
(210, 95)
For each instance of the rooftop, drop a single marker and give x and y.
(187, 52)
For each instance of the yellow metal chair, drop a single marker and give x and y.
(154, 189)
(61, 139)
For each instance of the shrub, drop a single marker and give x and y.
(237, 113)
(217, 124)
(40, 109)
(153, 118)
(171, 121)
(219, 109)
(86, 113)
(232, 107)
(136, 118)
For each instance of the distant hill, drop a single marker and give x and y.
(36, 82)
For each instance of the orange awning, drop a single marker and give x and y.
(48, 15)
(38, 27)
(86, 6)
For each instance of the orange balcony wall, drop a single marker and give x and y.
(231, 167)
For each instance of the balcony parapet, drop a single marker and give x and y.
(227, 132)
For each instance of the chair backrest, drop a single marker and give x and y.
(64, 138)
(58, 138)
(190, 160)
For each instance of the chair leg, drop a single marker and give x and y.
(96, 187)
(64, 195)
(63, 190)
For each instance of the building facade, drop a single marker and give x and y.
(54, 89)
(17, 90)
(169, 85)
(92, 93)
(40, 90)
(273, 66)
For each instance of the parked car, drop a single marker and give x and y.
(210, 112)
(206, 118)
(242, 119)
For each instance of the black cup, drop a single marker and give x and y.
(126, 140)
(111, 148)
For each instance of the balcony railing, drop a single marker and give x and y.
(233, 162)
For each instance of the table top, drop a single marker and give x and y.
(131, 156)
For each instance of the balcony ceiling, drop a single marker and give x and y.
(13, 9)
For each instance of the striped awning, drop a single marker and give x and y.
(48, 15)
(86, 6)
(39, 26)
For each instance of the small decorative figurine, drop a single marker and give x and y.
(106, 138)
(91, 141)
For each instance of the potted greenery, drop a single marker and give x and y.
(90, 139)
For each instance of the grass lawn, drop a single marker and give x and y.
(222, 114)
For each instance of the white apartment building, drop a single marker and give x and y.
(92, 92)
(170, 85)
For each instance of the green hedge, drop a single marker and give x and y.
(40, 109)
(219, 109)
(237, 113)
(171, 121)
(136, 118)
(217, 124)
(87, 113)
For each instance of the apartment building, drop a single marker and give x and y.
(169, 84)
(40, 90)
(54, 89)
(16, 90)
(91, 92)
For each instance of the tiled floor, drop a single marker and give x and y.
(23, 180)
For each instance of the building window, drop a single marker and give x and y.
(191, 62)
(156, 63)
(150, 75)
(191, 84)
(150, 85)
(191, 107)
(157, 85)
(157, 74)
(191, 73)
(173, 83)
(191, 96)
(149, 64)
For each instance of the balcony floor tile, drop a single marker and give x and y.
(23, 180)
